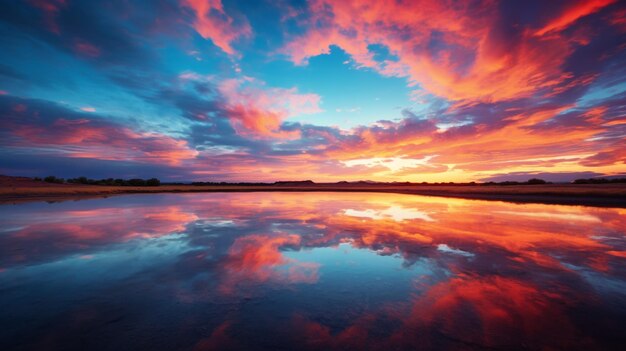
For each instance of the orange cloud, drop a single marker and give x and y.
(472, 60)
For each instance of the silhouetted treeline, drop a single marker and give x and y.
(229, 183)
(533, 181)
(157, 182)
(297, 182)
(303, 182)
(107, 181)
(599, 181)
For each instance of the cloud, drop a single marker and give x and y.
(616, 155)
(87, 49)
(392, 163)
(574, 11)
(223, 251)
(547, 176)
(76, 230)
(507, 100)
(88, 30)
(44, 127)
(50, 9)
(213, 23)
(396, 213)
(255, 259)
(257, 110)
(467, 52)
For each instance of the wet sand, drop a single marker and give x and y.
(15, 190)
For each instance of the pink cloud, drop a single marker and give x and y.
(75, 231)
(88, 109)
(83, 138)
(257, 110)
(213, 23)
(258, 259)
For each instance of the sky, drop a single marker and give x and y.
(218, 90)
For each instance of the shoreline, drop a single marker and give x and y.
(599, 195)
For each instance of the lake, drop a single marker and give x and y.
(306, 271)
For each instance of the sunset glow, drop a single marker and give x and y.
(219, 90)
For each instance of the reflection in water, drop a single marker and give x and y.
(254, 259)
(310, 271)
(397, 213)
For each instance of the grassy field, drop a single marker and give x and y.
(15, 189)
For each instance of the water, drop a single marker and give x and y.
(298, 271)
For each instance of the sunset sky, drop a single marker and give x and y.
(324, 90)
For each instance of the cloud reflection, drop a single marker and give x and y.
(368, 271)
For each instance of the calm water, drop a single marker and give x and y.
(299, 271)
